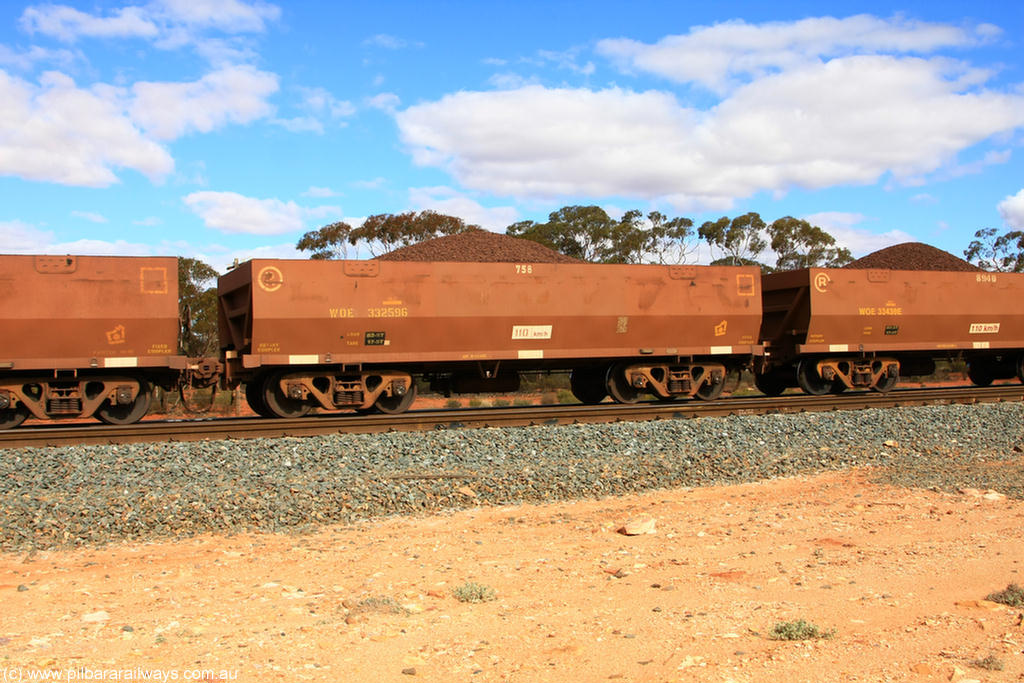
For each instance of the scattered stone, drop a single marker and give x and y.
(638, 527)
(409, 671)
(127, 629)
(889, 443)
(922, 669)
(22, 588)
(95, 617)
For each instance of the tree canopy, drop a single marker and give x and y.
(380, 233)
(197, 303)
(992, 251)
(590, 234)
(798, 244)
(740, 240)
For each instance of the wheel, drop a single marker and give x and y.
(279, 405)
(588, 385)
(618, 387)
(838, 386)
(709, 391)
(129, 413)
(770, 383)
(254, 397)
(980, 373)
(393, 405)
(809, 380)
(1020, 368)
(885, 383)
(12, 417)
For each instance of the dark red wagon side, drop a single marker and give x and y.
(840, 328)
(86, 335)
(353, 334)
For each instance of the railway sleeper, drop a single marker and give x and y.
(114, 399)
(667, 381)
(293, 394)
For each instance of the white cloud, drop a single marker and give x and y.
(27, 59)
(300, 124)
(170, 23)
(235, 213)
(321, 101)
(389, 42)
(448, 201)
(90, 216)
(315, 191)
(68, 24)
(810, 127)
(148, 221)
(60, 133)
(372, 184)
(230, 16)
(859, 241)
(1012, 210)
(18, 237)
(231, 94)
(722, 56)
(386, 101)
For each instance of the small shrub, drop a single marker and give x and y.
(1012, 595)
(474, 592)
(501, 403)
(990, 663)
(475, 403)
(548, 399)
(522, 402)
(383, 605)
(566, 396)
(453, 403)
(799, 630)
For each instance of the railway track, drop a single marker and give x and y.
(252, 427)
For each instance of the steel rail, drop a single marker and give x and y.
(421, 420)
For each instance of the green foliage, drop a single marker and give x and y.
(799, 244)
(382, 605)
(548, 398)
(590, 234)
(1001, 253)
(1012, 595)
(474, 592)
(501, 403)
(566, 396)
(380, 233)
(799, 630)
(740, 240)
(521, 402)
(453, 403)
(197, 305)
(475, 403)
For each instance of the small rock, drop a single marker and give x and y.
(993, 495)
(409, 671)
(96, 617)
(466, 491)
(889, 443)
(127, 629)
(923, 669)
(637, 527)
(22, 588)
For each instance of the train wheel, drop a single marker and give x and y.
(980, 373)
(838, 386)
(12, 417)
(393, 405)
(254, 397)
(809, 380)
(279, 405)
(769, 383)
(619, 387)
(1020, 368)
(885, 383)
(588, 385)
(129, 413)
(709, 391)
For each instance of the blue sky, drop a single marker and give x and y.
(225, 130)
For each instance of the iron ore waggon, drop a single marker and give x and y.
(86, 336)
(354, 334)
(831, 329)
